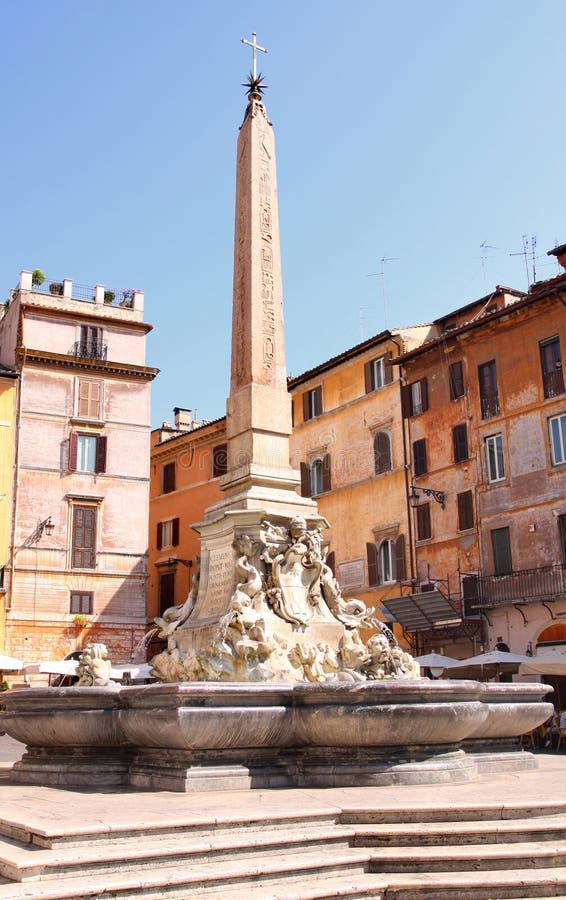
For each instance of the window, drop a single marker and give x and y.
(387, 563)
(415, 398)
(460, 442)
(312, 403)
(456, 375)
(89, 399)
(382, 452)
(81, 603)
(420, 466)
(494, 457)
(557, 426)
(489, 395)
(501, 547)
(219, 460)
(377, 373)
(320, 475)
(551, 363)
(168, 533)
(166, 591)
(83, 550)
(465, 511)
(90, 344)
(423, 522)
(87, 452)
(470, 596)
(168, 477)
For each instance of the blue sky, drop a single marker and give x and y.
(411, 130)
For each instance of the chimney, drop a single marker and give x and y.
(560, 254)
(182, 418)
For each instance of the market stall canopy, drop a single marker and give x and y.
(422, 611)
(59, 667)
(549, 662)
(10, 664)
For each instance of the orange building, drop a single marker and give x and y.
(488, 440)
(187, 461)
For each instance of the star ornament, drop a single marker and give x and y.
(255, 84)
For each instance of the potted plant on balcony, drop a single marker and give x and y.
(37, 277)
(56, 288)
(109, 296)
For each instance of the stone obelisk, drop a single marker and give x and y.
(259, 483)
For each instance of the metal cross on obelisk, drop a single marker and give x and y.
(255, 46)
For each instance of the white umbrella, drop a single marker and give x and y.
(135, 670)
(59, 667)
(550, 662)
(493, 658)
(9, 664)
(436, 661)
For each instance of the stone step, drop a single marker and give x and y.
(19, 862)
(101, 832)
(477, 813)
(193, 881)
(520, 884)
(420, 834)
(472, 858)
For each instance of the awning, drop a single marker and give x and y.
(420, 612)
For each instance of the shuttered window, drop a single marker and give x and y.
(382, 452)
(168, 477)
(168, 533)
(305, 480)
(400, 564)
(89, 397)
(489, 393)
(460, 442)
(456, 375)
(420, 466)
(373, 568)
(219, 460)
(320, 475)
(377, 373)
(166, 591)
(501, 547)
(312, 403)
(414, 398)
(81, 603)
(87, 452)
(551, 363)
(423, 522)
(465, 511)
(83, 551)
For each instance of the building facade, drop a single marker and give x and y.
(8, 397)
(77, 567)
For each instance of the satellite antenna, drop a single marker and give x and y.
(381, 274)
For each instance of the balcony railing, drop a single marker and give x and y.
(89, 350)
(522, 586)
(553, 383)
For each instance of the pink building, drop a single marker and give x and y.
(78, 558)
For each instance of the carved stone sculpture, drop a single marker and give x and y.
(94, 666)
(283, 577)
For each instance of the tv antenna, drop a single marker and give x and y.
(484, 247)
(528, 249)
(381, 274)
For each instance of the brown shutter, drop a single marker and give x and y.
(420, 466)
(423, 522)
(367, 377)
(331, 562)
(465, 511)
(424, 394)
(175, 529)
(388, 369)
(306, 410)
(326, 473)
(318, 401)
(456, 375)
(460, 442)
(100, 462)
(84, 537)
(406, 406)
(373, 570)
(305, 480)
(73, 444)
(400, 566)
(382, 452)
(159, 535)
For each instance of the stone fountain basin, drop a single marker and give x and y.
(220, 716)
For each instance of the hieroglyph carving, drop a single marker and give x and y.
(284, 576)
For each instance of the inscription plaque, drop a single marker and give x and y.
(352, 574)
(221, 582)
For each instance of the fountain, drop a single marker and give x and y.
(266, 680)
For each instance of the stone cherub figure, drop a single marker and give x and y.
(94, 666)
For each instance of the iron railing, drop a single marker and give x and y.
(89, 350)
(521, 586)
(489, 402)
(553, 383)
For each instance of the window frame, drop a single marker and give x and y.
(420, 461)
(499, 475)
(414, 398)
(386, 554)
(382, 456)
(89, 412)
(168, 533)
(466, 518)
(460, 447)
(219, 460)
(377, 373)
(456, 382)
(169, 477)
(488, 390)
(499, 567)
(423, 522)
(312, 403)
(85, 604)
(561, 436)
(85, 511)
(551, 370)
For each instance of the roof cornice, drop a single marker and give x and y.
(26, 356)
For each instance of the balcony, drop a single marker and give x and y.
(522, 586)
(88, 350)
(489, 401)
(553, 383)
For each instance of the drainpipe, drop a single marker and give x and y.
(406, 468)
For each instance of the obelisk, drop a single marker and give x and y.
(259, 484)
